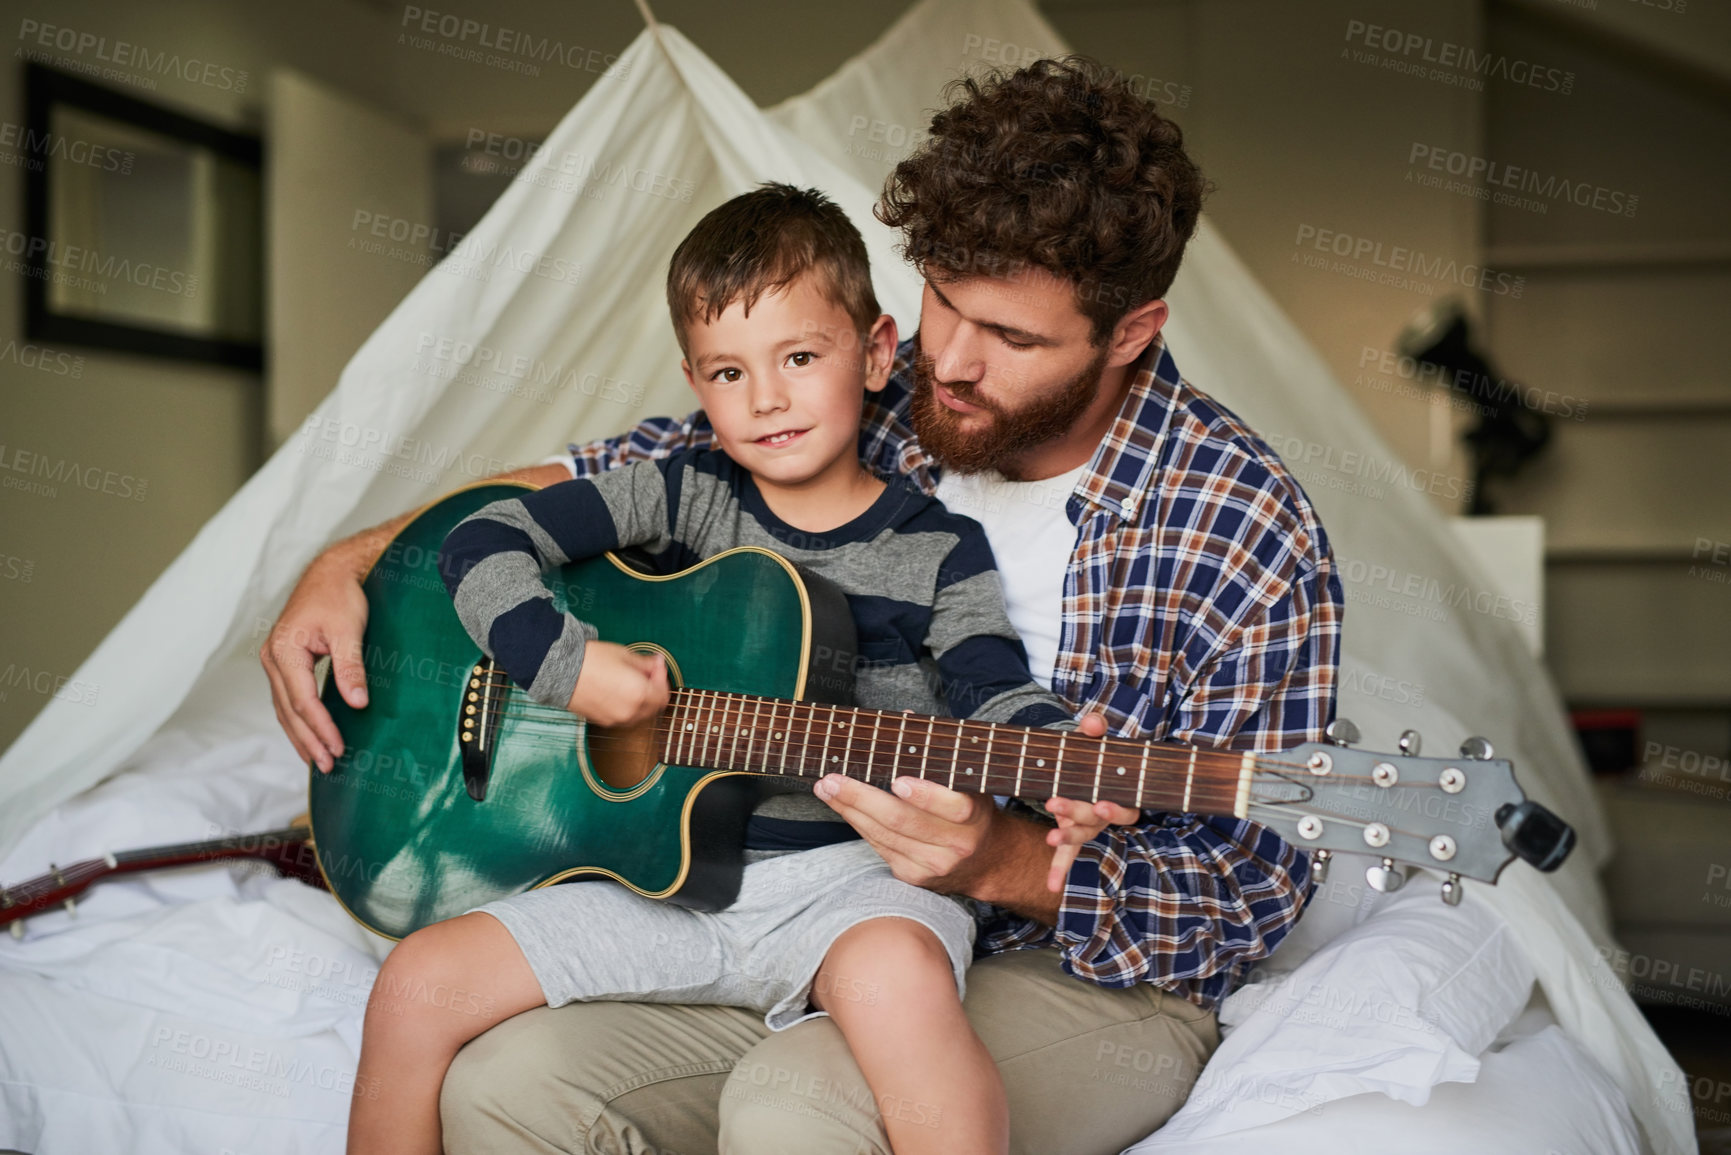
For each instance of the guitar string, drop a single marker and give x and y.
(1355, 824)
(1259, 776)
(721, 703)
(1256, 796)
(871, 749)
(864, 751)
(1040, 742)
(536, 711)
(1282, 807)
(1153, 802)
(525, 711)
(1040, 746)
(1046, 739)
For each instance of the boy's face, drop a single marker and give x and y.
(784, 387)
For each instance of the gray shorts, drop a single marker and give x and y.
(600, 940)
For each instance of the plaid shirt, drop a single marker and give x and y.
(1201, 605)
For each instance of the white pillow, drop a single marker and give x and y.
(1540, 1093)
(1407, 999)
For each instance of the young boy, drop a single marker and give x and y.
(772, 302)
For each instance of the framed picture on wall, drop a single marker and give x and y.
(144, 226)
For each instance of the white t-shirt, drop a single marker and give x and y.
(1032, 539)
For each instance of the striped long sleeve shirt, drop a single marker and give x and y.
(920, 581)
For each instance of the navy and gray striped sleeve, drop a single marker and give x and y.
(981, 660)
(493, 560)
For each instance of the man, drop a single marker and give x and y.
(1165, 572)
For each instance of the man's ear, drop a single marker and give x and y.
(1130, 336)
(879, 347)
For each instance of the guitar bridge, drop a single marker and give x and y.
(482, 713)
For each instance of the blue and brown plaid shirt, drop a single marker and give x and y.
(1201, 605)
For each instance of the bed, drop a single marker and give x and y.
(217, 1009)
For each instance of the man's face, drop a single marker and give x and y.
(1004, 365)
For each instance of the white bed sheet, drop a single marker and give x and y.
(193, 1011)
(217, 1009)
(1537, 1093)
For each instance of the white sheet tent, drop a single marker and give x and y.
(182, 741)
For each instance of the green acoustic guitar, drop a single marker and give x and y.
(455, 788)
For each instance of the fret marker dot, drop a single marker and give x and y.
(835, 757)
(691, 726)
(967, 769)
(1039, 761)
(1120, 769)
(911, 750)
(713, 729)
(777, 737)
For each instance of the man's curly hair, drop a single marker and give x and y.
(1058, 166)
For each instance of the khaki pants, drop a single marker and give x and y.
(1089, 1070)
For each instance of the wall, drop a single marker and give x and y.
(1622, 304)
(1305, 144)
(186, 434)
(1308, 148)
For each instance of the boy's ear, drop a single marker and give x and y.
(685, 368)
(880, 353)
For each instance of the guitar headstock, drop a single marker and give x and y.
(1464, 815)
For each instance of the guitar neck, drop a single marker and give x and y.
(64, 882)
(773, 736)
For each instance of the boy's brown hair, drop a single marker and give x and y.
(760, 241)
(1060, 166)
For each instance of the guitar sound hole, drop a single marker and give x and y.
(623, 756)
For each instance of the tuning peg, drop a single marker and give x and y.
(1386, 877)
(18, 929)
(71, 908)
(1452, 890)
(1477, 749)
(1319, 867)
(1410, 743)
(1342, 732)
(1535, 834)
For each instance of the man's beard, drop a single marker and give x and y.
(1011, 433)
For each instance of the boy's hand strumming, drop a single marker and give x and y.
(617, 686)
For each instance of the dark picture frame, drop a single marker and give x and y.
(45, 91)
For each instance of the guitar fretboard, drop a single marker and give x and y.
(74, 877)
(721, 731)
